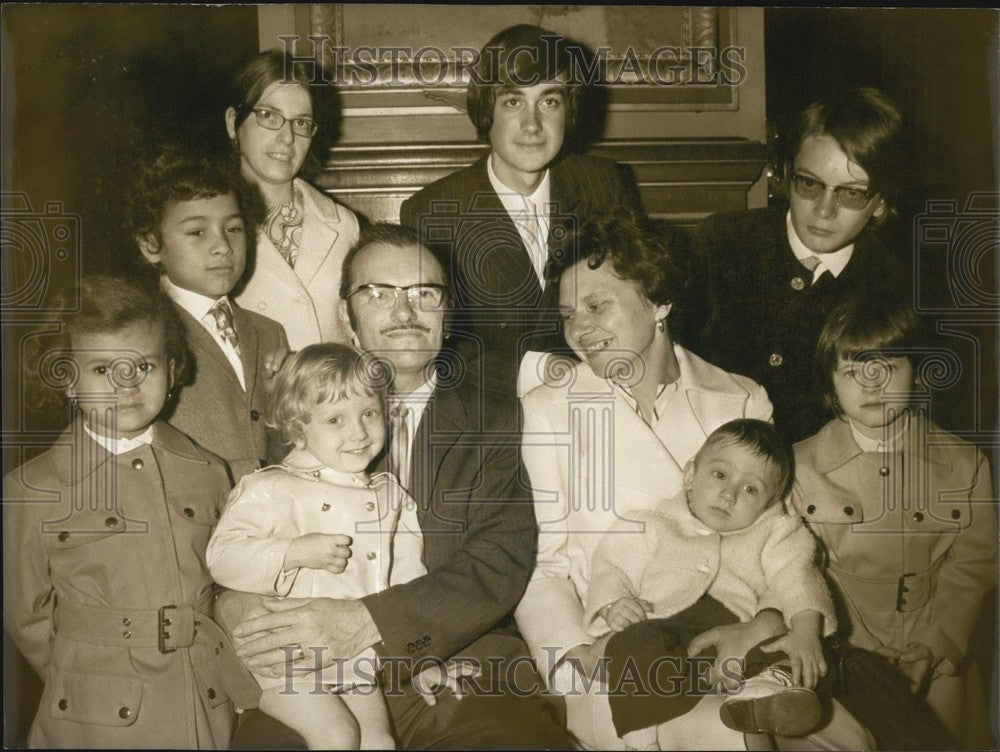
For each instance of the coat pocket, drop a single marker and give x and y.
(100, 699)
(208, 676)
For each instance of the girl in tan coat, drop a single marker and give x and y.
(106, 591)
(905, 511)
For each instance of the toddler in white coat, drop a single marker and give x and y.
(717, 553)
(285, 530)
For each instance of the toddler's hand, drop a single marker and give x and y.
(319, 551)
(805, 654)
(625, 612)
(447, 676)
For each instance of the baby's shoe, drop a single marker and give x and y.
(771, 703)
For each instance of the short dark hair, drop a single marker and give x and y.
(396, 235)
(862, 326)
(760, 438)
(110, 303)
(638, 248)
(179, 175)
(519, 56)
(868, 126)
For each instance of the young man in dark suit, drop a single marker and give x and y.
(457, 452)
(496, 220)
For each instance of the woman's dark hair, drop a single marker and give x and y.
(638, 248)
(181, 175)
(520, 56)
(865, 326)
(272, 66)
(867, 126)
(762, 439)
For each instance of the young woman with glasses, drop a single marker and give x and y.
(304, 236)
(765, 279)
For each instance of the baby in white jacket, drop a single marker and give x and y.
(718, 553)
(290, 529)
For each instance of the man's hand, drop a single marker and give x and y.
(735, 641)
(804, 648)
(318, 551)
(447, 676)
(322, 629)
(625, 612)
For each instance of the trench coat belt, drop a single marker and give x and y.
(167, 629)
(908, 592)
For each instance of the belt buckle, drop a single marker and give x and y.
(901, 589)
(162, 635)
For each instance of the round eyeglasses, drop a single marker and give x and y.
(427, 297)
(846, 197)
(273, 121)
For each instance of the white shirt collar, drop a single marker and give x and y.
(121, 445)
(894, 443)
(196, 304)
(513, 201)
(831, 262)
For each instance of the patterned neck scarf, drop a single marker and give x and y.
(283, 226)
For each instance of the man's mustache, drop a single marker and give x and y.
(407, 328)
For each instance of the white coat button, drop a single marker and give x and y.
(371, 555)
(262, 305)
(370, 506)
(775, 359)
(798, 283)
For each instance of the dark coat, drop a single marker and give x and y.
(501, 310)
(750, 308)
(214, 409)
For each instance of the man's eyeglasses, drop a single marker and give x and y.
(273, 121)
(427, 297)
(846, 197)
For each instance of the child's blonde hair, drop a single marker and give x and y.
(321, 373)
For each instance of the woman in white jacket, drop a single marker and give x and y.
(609, 436)
(304, 236)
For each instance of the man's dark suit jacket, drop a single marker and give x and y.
(501, 310)
(213, 409)
(750, 308)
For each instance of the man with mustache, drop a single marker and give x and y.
(495, 220)
(457, 452)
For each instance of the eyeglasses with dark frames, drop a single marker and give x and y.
(273, 121)
(427, 296)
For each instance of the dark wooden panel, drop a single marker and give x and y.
(681, 179)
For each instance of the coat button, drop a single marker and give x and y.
(811, 509)
(798, 283)
(262, 306)
(63, 704)
(955, 514)
(188, 512)
(254, 415)
(218, 514)
(371, 555)
(111, 522)
(918, 516)
(883, 471)
(137, 463)
(849, 511)
(210, 693)
(325, 508)
(63, 536)
(127, 635)
(775, 359)
(124, 713)
(126, 622)
(370, 506)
